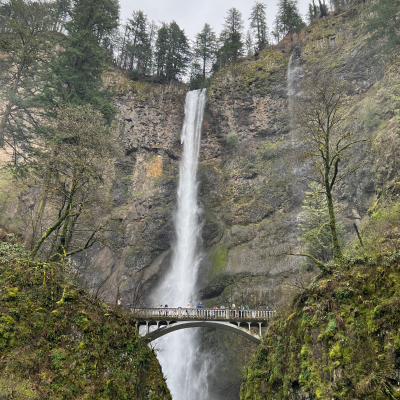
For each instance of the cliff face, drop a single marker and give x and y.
(251, 185)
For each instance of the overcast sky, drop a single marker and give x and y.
(191, 15)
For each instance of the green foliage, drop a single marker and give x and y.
(26, 43)
(10, 247)
(370, 116)
(219, 259)
(136, 52)
(258, 23)
(205, 48)
(338, 339)
(232, 140)
(58, 342)
(288, 19)
(76, 71)
(172, 53)
(73, 171)
(231, 37)
(314, 226)
(384, 22)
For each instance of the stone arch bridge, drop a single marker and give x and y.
(167, 320)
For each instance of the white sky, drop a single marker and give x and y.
(191, 15)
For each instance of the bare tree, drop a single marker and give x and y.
(74, 170)
(326, 132)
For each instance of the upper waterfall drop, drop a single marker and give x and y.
(178, 286)
(179, 356)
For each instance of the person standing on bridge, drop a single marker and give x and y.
(233, 310)
(198, 308)
(223, 310)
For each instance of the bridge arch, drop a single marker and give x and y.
(176, 326)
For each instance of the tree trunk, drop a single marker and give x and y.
(337, 251)
(204, 72)
(322, 8)
(49, 231)
(315, 9)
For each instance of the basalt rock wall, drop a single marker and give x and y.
(251, 184)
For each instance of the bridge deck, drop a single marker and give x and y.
(184, 314)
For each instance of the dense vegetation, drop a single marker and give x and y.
(339, 338)
(58, 342)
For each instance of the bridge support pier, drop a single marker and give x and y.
(259, 326)
(249, 323)
(158, 324)
(238, 324)
(147, 327)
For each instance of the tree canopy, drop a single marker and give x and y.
(258, 23)
(288, 19)
(172, 51)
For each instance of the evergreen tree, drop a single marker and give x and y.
(172, 53)
(314, 226)
(138, 46)
(161, 49)
(276, 33)
(77, 70)
(323, 8)
(288, 18)
(196, 77)
(384, 21)
(313, 11)
(249, 43)
(231, 37)
(205, 48)
(258, 22)
(26, 43)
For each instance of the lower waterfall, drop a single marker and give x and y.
(186, 372)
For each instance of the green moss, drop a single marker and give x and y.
(219, 259)
(269, 150)
(58, 342)
(248, 76)
(329, 343)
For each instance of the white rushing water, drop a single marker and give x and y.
(179, 352)
(294, 76)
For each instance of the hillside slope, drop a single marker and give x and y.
(58, 342)
(340, 337)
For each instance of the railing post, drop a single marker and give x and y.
(180, 312)
(227, 313)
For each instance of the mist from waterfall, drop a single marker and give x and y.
(179, 351)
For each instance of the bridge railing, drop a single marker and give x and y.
(200, 313)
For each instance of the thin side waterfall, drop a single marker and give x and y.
(294, 75)
(179, 351)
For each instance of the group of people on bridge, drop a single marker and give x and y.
(200, 311)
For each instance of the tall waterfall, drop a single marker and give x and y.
(178, 351)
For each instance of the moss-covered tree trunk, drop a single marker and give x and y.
(337, 251)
